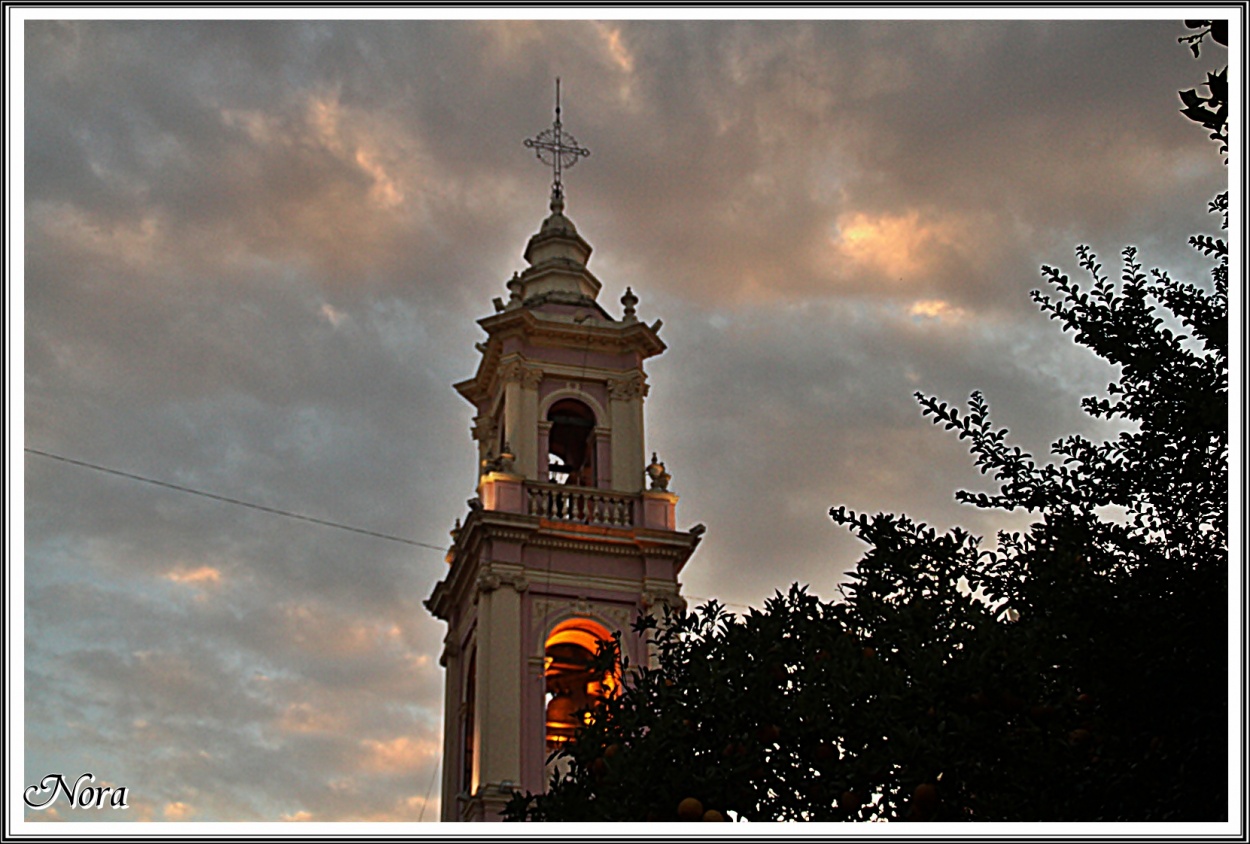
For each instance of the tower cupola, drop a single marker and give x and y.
(557, 256)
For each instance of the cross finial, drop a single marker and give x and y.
(557, 149)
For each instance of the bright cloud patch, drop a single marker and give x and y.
(202, 576)
(617, 51)
(894, 245)
(178, 811)
(938, 309)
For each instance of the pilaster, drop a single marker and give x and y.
(625, 397)
(500, 667)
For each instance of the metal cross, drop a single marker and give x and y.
(558, 150)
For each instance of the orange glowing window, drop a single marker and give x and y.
(573, 687)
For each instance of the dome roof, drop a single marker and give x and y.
(558, 223)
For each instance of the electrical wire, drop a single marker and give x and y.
(236, 501)
(429, 790)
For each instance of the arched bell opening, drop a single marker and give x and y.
(573, 687)
(571, 444)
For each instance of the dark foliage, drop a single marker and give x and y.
(1212, 110)
(1076, 672)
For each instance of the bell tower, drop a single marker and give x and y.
(571, 534)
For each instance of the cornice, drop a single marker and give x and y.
(483, 525)
(624, 336)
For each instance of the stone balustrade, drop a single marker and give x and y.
(583, 505)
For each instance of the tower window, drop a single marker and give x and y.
(573, 686)
(571, 444)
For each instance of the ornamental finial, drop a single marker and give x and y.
(557, 149)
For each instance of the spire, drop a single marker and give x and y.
(557, 253)
(557, 149)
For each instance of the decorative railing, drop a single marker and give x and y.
(583, 505)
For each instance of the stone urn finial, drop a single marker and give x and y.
(630, 301)
(659, 477)
(506, 458)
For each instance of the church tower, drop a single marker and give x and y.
(571, 534)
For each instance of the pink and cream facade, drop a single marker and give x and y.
(572, 533)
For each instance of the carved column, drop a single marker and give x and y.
(625, 402)
(521, 414)
(603, 457)
(500, 680)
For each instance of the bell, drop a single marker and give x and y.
(560, 712)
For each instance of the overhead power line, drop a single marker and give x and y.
(236, 501)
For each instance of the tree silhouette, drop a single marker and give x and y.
(1212, 110)
(1075, 672)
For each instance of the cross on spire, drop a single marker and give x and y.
(557, 149)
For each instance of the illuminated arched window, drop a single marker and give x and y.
(571, 443)
(572, 686)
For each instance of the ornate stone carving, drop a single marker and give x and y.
(529, 377)
(547, 610)
(484, 429)
(488, 581)
(660, 598)
(516, 580)
(513, 370)
(630, 387)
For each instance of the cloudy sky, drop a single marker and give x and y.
(254, 257)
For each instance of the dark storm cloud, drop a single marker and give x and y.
(255, 252)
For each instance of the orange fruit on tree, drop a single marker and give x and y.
(713, 815)
(925, 795)
(690, 809)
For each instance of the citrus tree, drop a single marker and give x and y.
(1074, 672)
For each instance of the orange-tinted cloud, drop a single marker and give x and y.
(178, 811)
(200, 576)
(614, 44)
(402, 753)
(895, 246)
(936, 309)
